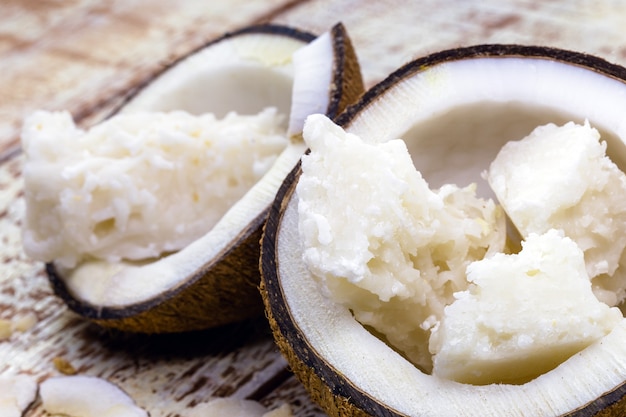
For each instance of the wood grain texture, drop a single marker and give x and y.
(388, 33)
(86, 56)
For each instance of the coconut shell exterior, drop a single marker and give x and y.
(347, 82)
(326, 385)
(222, 292)
(226, 290)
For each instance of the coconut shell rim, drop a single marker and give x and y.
(492, 51)
(259, 29)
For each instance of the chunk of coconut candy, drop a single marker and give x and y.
(140, 184)
(522, 315)
(86, 396)
(560, 177)
(380, 241)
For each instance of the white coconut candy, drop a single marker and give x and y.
(17, 392)
(559, 177)
(522, 315)
(139, 184)
(380, 241)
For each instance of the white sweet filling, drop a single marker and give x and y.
(140, 184)
(383, 243)
(409, 261)
(559, 177)
(17, 392)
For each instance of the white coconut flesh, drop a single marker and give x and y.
(244, 73)
(17, 392)
(86, 396)
(454, 116)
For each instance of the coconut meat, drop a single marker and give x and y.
(522, 315)
(17, 392)
(138, 185)
(493, 100)
(86, 396)
(528, 92)
(246, 73)
(380, 241)
(579, 191)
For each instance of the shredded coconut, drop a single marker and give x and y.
(138, 185)
(380, 241)
(559, 177)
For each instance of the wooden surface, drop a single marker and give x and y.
(84, 56)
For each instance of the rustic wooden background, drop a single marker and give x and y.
(85, 55)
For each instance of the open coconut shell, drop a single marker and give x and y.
(214, 281)
(433, 103)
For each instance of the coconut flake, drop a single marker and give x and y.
(559, 177)
(139, 184)
(87, 396)
(16, 394)
(23, 322)
(18, 323)
(313, 69)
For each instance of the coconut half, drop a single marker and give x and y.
(454, 109)
(214, 280)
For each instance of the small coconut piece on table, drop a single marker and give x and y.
(521, 316)
(86, 396)
(17, 392)
(235, 407)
